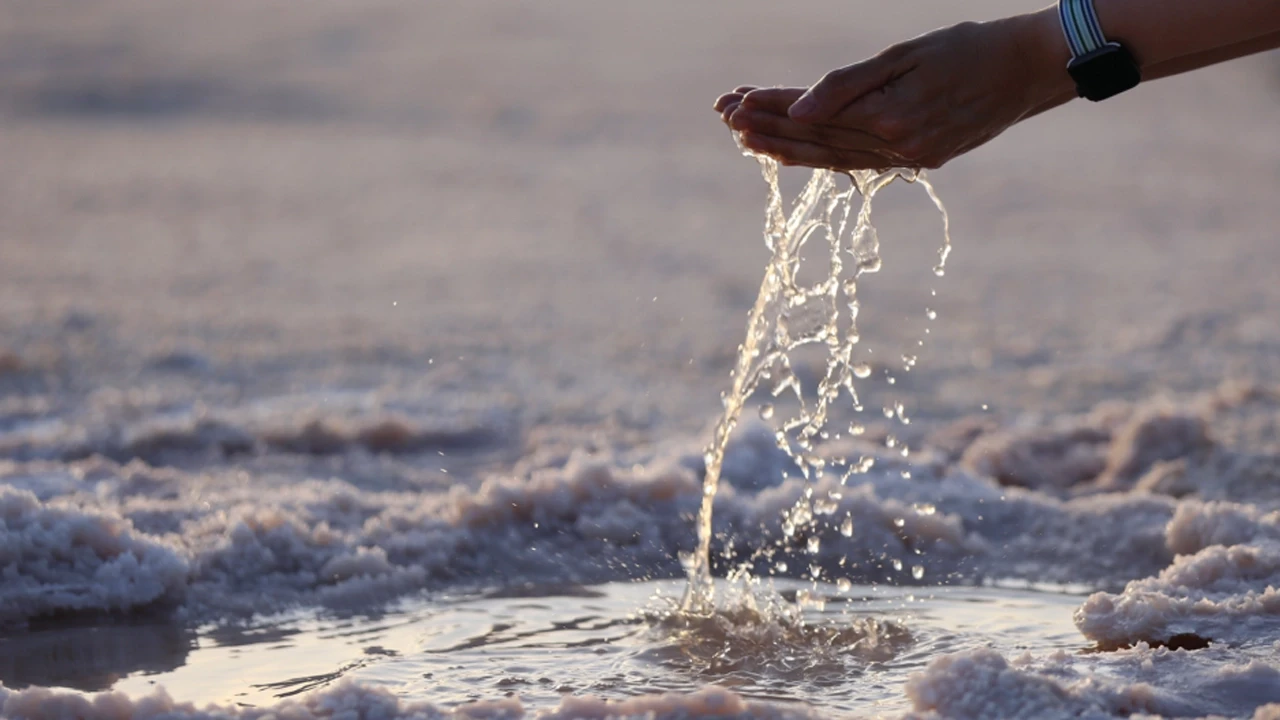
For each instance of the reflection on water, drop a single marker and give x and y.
(846, 650)
(91, 655)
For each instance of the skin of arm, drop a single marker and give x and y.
(922, 102)
(1183, 64)
(1159, 31)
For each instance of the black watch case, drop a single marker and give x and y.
(1105, 72)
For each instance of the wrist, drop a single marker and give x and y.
(1044, 56)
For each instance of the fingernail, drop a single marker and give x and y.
(803, 107)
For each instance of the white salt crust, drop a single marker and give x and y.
(1119, 494)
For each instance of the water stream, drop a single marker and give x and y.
(789, 314)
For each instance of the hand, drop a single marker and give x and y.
(771, 131)
(917, 104)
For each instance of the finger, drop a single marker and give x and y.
(873, 114)
(774, 125)
(728, 111)
(775, 100)
(799, 152)
(725, 99)
(735, 96)
(840, 87)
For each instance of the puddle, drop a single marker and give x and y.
(849, 650)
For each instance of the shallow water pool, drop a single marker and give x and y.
(846, 650)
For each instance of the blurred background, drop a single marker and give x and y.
(527, 215)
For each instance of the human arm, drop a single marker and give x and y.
(925, 101)
(1175, 66)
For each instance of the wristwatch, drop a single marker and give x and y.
(1100, 68)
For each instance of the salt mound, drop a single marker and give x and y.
(1221, 587)
(63, 559)
(981, 685)
(1053, 459)
(348, 699)
(1153, 435)
(246, 543)
(1196, 526)
(344, 700)
(708, 703)
(260, 544)
(1109, 449)
(1220, 593)
(1221, 474)
(282, 426)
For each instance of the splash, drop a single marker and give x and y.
(789, 314)
(762, 637)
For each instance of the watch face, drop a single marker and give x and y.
(1105, 72)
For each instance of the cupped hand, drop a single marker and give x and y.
(728, 102)
(917, 104)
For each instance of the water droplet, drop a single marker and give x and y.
(931, 314)
(788, 315)
(899, 522)
(917, 572)
(844, 585)
(897, 565)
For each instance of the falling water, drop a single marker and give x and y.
(788, 315)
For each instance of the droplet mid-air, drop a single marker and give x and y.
(790, 313)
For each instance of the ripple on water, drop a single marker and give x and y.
(845, 650)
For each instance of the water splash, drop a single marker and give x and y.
(758, 635)
(789, 314)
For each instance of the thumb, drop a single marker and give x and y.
(840, 87)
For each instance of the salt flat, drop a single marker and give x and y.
(280, 253)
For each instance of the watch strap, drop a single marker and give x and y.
(1081, 27)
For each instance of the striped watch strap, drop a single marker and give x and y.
(1080, 25)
